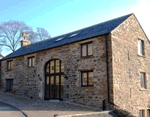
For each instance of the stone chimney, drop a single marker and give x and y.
(25, 41)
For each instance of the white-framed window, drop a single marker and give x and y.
(140, 47)
(143, 80)
(31, 61)
(9, 65)
(87, 78)
(86, 49)
(142, 113)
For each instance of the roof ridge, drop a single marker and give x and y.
(84, 33)
(94, 25)
(78, 30)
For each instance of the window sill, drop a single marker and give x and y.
(9, 70)
(142, 89)
(86, 87)
(31, 67)
(141, 55)
(86, 57)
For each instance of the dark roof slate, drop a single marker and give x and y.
(86, 33)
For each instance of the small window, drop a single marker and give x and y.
(9, 84)
(143, 80)
(9, 65)
(31, 61)
(87, 78)
(140, 47)
(142, 113)
(86, 49)
(148, 112)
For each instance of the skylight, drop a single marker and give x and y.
(59, 39)
(73, 35)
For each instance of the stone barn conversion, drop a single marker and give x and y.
(109, 61)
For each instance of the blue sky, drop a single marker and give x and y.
(63, 16)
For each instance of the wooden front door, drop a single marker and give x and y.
(54, 80)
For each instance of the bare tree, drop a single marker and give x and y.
(10, 33)
(42, 34)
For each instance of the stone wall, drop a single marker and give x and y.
(127, 65)
(30, 81)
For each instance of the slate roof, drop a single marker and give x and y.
(86, 33)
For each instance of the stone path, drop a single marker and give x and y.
(39, 108)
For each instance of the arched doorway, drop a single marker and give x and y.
(54, 79)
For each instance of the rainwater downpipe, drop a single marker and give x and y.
(107, 67)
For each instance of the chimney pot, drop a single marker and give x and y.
(25, 41)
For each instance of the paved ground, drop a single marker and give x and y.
(7, 110)
(38, 108)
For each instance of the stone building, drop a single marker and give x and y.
(108, 61)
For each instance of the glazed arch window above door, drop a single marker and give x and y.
(54, 79)
(55, 66)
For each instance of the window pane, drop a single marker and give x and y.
(84, 78)
(140, 47)
(90, 49)
(62, 67)
(47, 68)
(57, 87)
(52, 87)
(143, 80)
(29, 62)
(52, 80)
(91, 78)
(9, 65)
(83, 50)
(141, 113)
(52, 67)
(57, 66)
(47, 80)
(33, 61)
(57, 80)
